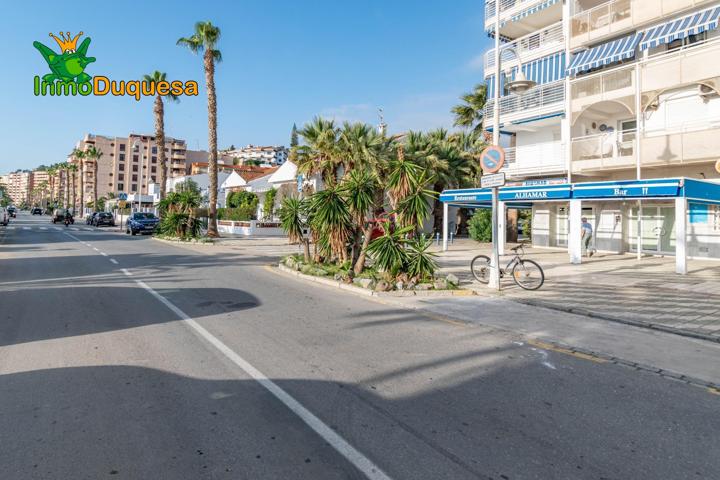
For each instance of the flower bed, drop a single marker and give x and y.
(369, 279)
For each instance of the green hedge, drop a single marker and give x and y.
(480, 225)
(239, 214)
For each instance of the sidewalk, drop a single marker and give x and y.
(615, 287)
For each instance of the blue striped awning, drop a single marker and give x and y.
(677, 29)
(543, 70)
(605, 54)
(533, 9)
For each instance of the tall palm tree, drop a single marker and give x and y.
(159, 112)
(52, 172)
(204, 40)
(94, 155)
(79, 155)
(72, 170)
(320, 153)
(469, 114)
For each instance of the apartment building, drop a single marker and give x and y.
(266, 156)
(38, 178)
(18, 186)
(128, 164)
(608, 110)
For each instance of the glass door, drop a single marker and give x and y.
(562, 226)
(658, 230)
(666, 219)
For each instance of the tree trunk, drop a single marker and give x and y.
(360, 264)
(512, 226)
(306, 249)
(212, 140)
(95, 178)
(81, 208)
(74, 197)
(67, 188)
(159, 112)
(438, 210)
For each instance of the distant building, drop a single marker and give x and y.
(129, 164)
(272, 155)
(18, 186)
(202, 157)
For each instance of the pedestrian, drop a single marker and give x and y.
(586, 230)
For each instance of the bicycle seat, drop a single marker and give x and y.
(515, 249)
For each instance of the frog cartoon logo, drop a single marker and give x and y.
(69, 65)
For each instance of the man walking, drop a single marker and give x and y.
(586, 231)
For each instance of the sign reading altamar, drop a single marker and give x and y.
(68, 76)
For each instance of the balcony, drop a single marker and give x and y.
(617, 85)
(617, 16)
(534, 14)
(693, 64)
(527, 48)
(541, 100)
(605, 151)
(539, 159)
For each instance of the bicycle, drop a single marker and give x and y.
(527, 274)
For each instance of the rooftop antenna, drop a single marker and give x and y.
(382, 126)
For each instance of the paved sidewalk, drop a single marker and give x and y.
(617, 287)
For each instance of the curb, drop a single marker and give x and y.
(179, 242)
(371, 293)
(635, 323)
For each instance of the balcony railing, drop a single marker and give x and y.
(547, 158)
(530, 102)
(530, 46)
(617, 16)
(505, 5)
(691, 143)
(604, 151)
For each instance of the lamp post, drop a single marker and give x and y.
(520, 85)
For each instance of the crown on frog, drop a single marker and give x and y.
(66, 42)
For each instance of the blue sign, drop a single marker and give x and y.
(625, 190)
(300, 182)
(548, 192)
(122, 196)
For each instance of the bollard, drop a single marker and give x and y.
(452, 237)
(437, 238)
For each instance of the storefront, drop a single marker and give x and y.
(667, 216)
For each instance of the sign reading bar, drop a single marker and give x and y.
(492, 180)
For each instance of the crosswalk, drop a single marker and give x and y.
(58, 229)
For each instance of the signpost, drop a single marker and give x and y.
(493, 180)
(492, 160)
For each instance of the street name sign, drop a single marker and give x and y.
(492, 180)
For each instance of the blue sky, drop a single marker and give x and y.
(284, 62)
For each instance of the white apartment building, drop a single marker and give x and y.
(129, 164)
(18, 186)
(621, 123)
(267, 156)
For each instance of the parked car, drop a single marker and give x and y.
(12, 211)
(59, 216)
(103, 218)
(141, 222)
(37, 211)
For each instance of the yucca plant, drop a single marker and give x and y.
(388, 251)
(360, 189)
(414, 208)
(421, 262)
(332, 219)
(293, 219)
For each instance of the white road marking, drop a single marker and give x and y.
(57, 228)
(360, 461)
(95, 248)
(26, 228)
(544, 361)
(103, 254)
(10, 228)
(114, 261)
(43, 228)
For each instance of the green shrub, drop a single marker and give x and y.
(480, 225)
(239, 214)
(420, 262)
(242, 198)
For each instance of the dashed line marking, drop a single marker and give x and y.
(114, 261)
(103, 254)
(26, 228)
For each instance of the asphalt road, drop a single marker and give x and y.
(125, 357)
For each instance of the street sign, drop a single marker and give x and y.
(122, 204)
(492, 180)
(122, 196)
(492, 159)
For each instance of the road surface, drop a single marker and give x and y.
(125, 357)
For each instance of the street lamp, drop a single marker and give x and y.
(519, 86)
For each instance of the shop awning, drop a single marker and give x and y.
(680, 28)
(533, 9)
(699, 191)
(605, 54)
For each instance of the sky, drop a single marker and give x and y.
(284, 62)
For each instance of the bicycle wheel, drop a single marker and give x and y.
(480, 268)
(528, 275)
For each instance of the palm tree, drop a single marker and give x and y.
(72, 170)
(94, 155)
(159, 112)
(204, 40)
(469, 114)
(319, 154)
(79, 155)
(293, 220)
(52, 171)
(360, 188)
